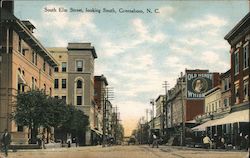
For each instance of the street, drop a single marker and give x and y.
(132, 151)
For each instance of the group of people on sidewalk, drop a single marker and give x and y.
(219, 142)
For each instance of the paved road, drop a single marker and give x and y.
(125, 152)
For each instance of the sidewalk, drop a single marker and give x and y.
(167, 148)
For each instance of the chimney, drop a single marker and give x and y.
(8, 5)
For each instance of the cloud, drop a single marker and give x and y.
(145, 33)
(205, 21)
(166, 13)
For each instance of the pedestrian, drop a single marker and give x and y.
(77, 141)
(43, 141)
(6, 139)
(39, 140)
(155, 141)
(206, 142)
(247, 142)
(69, 142)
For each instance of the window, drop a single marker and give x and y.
(236, 62)
(50, 92)
(56, 69)
(56, 97)
(64, 81)
(79, 65)
(225, 102)
(44, 88)
(20, 45)
(50, 71)
(236, 93)
(246, 57)
(79, 84)
(226, 82)
(19, 128)
(64, 98)
(33, 83)
(246, 90)
(79, 100)
(33, 57)
(64, 66)
(56, 83)
(44, 65)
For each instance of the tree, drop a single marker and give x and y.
(76, 122)
(35, 109)
(31, 110)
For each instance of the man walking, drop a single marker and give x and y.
(155, 141)
(6, 139)
(206, 142)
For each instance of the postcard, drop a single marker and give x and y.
(132, 78)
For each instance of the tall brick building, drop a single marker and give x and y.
(239, 38)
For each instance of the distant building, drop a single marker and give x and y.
(24, 65)
(100, 85)
(159, 118)
(74, 80)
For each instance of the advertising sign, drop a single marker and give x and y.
(198, 84)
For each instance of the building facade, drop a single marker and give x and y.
(239, 38)
(25, 65)
(74, 79)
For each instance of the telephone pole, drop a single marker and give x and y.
(107, 95)
(164, 114)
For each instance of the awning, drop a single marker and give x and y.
(239, 116)
(203, 126)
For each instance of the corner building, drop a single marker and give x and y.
(25, 64)
(74, 80)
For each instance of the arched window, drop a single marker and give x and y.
(79, 84)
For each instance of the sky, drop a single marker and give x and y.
(137, 52)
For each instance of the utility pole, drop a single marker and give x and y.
(107, 95)
(152, 114)
(183, 112)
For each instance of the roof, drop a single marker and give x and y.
(226, 74)
(82, 46)
(239, 25)
(212, 90)
(159, 97)
(26, 34)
